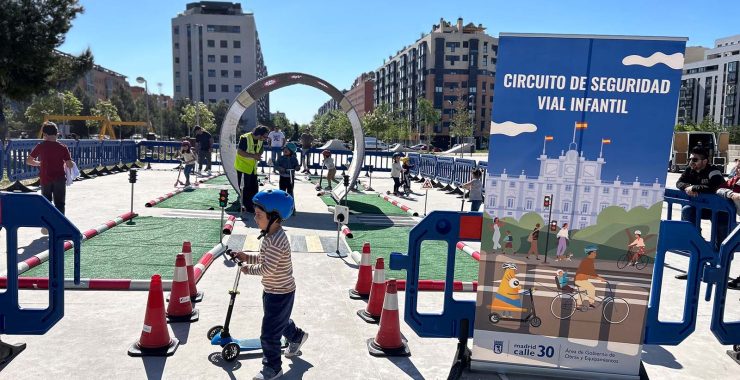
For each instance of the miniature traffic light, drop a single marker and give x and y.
(554, 225)
(223, 198)
(547, 201)
(132, 176)
(346, 180)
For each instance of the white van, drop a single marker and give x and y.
(371, 143)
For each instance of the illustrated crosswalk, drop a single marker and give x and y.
(310, 243)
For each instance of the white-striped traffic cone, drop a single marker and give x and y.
(388, 341)
(371, 314)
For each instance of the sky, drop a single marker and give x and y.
(337, 40)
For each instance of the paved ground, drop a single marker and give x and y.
(99, 326)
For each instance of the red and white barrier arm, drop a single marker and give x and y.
(347, 232)
(469, 250)
(439, 285)
(229, 225)
(206, 260)
(398, 204)
(164, 197)
(38, 259)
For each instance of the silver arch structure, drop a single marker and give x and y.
(229, 139)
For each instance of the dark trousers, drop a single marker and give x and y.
(188, 171)
(475, 205)
(249, 186)
(688, 213)
(55, 192)
(396, 184)
(304, 159)
(276, 323)
(286, 184)
(204, 158)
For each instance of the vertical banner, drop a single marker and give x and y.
(580, 135)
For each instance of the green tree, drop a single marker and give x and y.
(207, 120)
(105, 109)
(219, 111)
(378, 121)
(428, 117)
(279, 120)
(29, 33)
(339, 126)
(461, 127)
(51, 104)
(124, 103)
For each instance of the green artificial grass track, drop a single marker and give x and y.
(200, 199)
(367, 204)
(384, 240)
(139, 251)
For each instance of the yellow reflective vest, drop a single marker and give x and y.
(245, 164)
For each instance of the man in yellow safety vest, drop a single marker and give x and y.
(248, 155)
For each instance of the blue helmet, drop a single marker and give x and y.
(291, 147)
(276, 201)
(590, 249)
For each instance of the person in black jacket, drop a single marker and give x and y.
(702, 178)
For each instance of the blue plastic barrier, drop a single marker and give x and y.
(111, 152)
(342, 158)
(463, 171)
(87, 154)
(713, 203)
(159, 151)
(428, 166)
(15, 160)
(414, 161)
(380, 161)
(445, 170)
(725, 332)
(128, 152)
(483, 166)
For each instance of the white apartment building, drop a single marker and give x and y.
(217, 53)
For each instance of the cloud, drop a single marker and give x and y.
(510, 128)
(674, 61)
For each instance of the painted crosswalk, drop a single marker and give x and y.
(309, 243)
(385, 220)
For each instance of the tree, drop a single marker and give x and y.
(339, 126)
(51, 104)
(124, 103)
(378, 121)
(219, 111)
(428, 117)
(105, 109)
(188, 116)
(461, 126)
(29, 33)
(279, 120)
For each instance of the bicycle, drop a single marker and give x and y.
(564, 305)
(640, 263)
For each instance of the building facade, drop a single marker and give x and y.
(451, 63)
(578, 191)
(99, 82)
(709, 86)
(330, 105)
(361, 94)
(216, 54)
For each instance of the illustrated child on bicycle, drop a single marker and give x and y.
(636, 248)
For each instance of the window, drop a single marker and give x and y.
(237, 88)
(465, 57)
(644, 193)
(224, 59)
(224, 88)
(512, 184)
(529, 204)
(530, 186)
(176, 30)
(177, 74)
(212, 101)
(465, 44)
(237, 73)
(603, 206)
(211, 73)
(211, 58)
(493, 201)
(509, 202)
(548, 186)
(177, 45)
(177, 88)
(485, 47)
(237, 59)
(224, 44)
(237, 44)
(625, 191)
(568, 187)
(584, 208)
(438, 89)
(211, 43)
(566, 206)
(493, 183)
(605, 190)
(586, 189)
(177, 59)
(224, 73)
(211, 88)
(223, 28)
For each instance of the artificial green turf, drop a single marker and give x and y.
(200, 199)
(367, 204)
(384, 240)
(140, 250)
(220, 180)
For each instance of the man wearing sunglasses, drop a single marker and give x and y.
(701, 177)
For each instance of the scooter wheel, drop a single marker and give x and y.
(213, 331)
(494, 318)
(736, 348)
(535, 322)
(230, 352)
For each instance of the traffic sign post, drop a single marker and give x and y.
(426, 186)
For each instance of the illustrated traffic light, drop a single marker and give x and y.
(132, 176)
(554, 225)
(547, 201)
(223, 198)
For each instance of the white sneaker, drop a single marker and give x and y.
(294, 348)
(268, 373)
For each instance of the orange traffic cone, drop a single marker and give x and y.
(195, 295)
(155, 337)
(179, 308)
(364, 276)
(371, 314)
(389, 341)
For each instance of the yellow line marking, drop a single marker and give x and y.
(251, 244)
(313, 244)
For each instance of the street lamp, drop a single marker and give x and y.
(146, 101)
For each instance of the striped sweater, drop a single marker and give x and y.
(274, 264)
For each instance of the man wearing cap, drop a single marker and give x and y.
(248, 154)
(585, 272)
(204, 143)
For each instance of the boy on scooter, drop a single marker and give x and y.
(274, 264)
